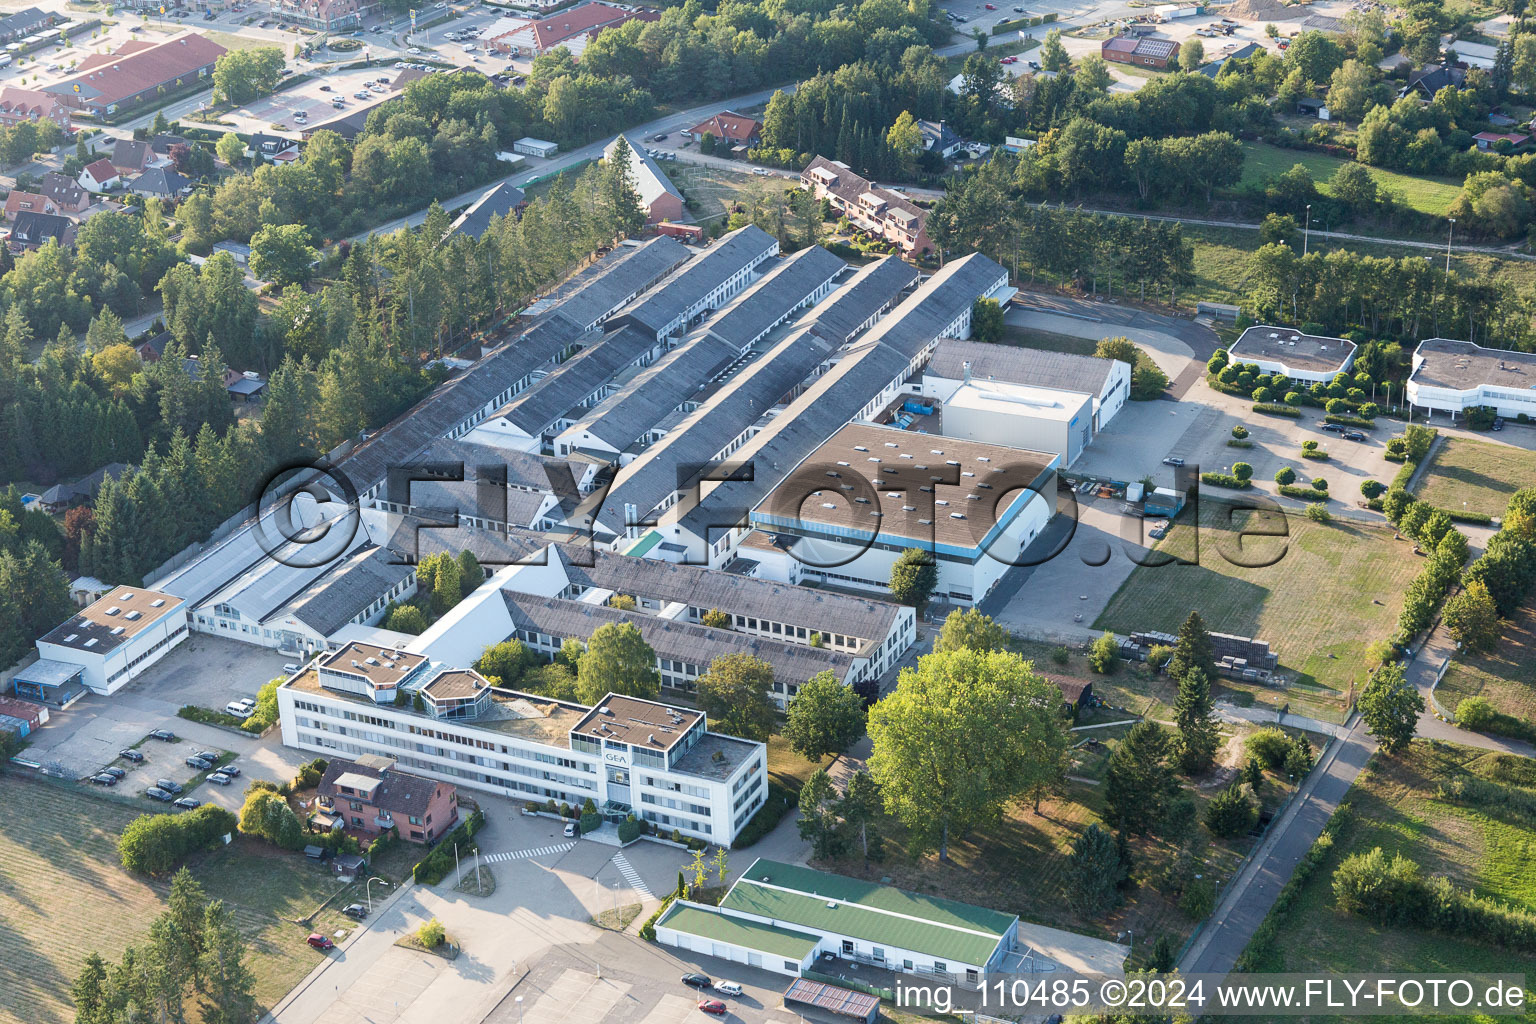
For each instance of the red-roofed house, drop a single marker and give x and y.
(27, 202)
(736, 129)
(137, 71)
(99, 176)
(573, 28)
(1489, 140)
(875, 210)
(17, 105)
(1139, 50)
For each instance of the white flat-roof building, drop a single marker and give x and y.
(1452, 376)
(113, 640)
(530, 146)
(1310, 358)
(627, 755)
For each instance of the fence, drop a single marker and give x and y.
(832, 979)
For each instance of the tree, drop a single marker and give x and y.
(962, 733)
(734, 695)
(1120, 347)
(1473, 618)
(1191, 54)
(230, 148)
(617, 660)
(860, 806)
(905, 139)
(1195, 714)
(971, 630)
(715, 619)
(227, 981)
(431, 934)
(1242, 470)
(1231, 813)
(504, 663)
(824, 718)
(1053, 55)
(1193, 649)
(185, 911)
(986, 320)
(622, 208)
(1138, 780)
(406, 618)
(1104, 653)
(914, 577)
(1298, 758)
(818, 822)
(1391, 708)
(471, 573)
(281, 253)
(1094, 873)
(1285, 475)
(1350, 90)
(240, 76)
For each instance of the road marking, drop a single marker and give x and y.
(632, 876)
(542, 851)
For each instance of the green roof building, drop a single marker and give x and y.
(782, 916)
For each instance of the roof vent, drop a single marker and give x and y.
(134, 615)
(116, 630)
(113, 610)
(831, 905)
(157, 602)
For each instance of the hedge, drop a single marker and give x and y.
(1263, 940)
(1481, 519)
(1275, 409)
(1004, 27)
(1237, 442)
(1477, 715)
(648, 930)
(432, 868)
(1303, 493)
(1350, 421)
(1224, 480)
(1315, 454)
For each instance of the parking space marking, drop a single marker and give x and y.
(542, 851)
(672, 1010)
(595, 996)
(632, 876)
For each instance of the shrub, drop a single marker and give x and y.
(432, 868)
(1263, 395)
(1231, 813)
(1104, 653)
(1480, 417)
(1224, 480)
(781, 800)
(155, 843)
(1350, 421)
(1199, 899)
(1060, 655)
(1243, 471)
(1239, 431)
(1476, 714)
(629, 830)
(591, 821)
(1159, 656)
(1318, 512)
(1279, 410)
(1303, 493)
(1285, 475)
(1232, 442)
(1269, 745)
(1371, 489)
(1315, 454)
(1319, 484)
(431, 934)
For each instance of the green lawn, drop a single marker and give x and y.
(1048, 341)
(1427, 195)
(63, 894)
(1476, 476)
(1506, 676)
(1394, 806)
(1311, 593)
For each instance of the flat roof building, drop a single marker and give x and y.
(113, 640)
(1453, 376)
(1302, 357)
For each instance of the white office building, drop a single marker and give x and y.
(1307, 358)
(1453, 376)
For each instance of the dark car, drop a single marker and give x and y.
(356, 911)
(104, 779)
(163, 734)
(220, 779)
(116, 773)
(325, 88)
(320, 941)
(1498, 423)
(659, 137)
(698, 980)
(168, 785)
(156, 793)
(230, 770)
(186, 803)
(129, 754)
(1332, 428)
(1353, 435)
(202, 764)
(1173, 460)
(713, 1006)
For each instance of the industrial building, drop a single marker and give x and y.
(106, 644)
(783, 917)
(1453, 376)
(1305, 358)
(659, 198)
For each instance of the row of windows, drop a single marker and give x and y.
(702, 827)
(159, 646)
(665, 801)
(327, 742)
(507, 767)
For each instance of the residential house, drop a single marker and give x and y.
(938, 138)
(881, 212)
(325, 15)
(1489, 141)
(164, 142)
(151, 349)
(61, 496)
(730, 128)
(18, 105)
(1431, 79)
(137, 71)
(501, 200)
(658, 196)
(32, 230)
(572, 28)
(272, 148)
(161, 183)
(244, 387)
(132, 156)
(28, 22)
(1213, 69)
(27, 202)
(371, 795)
(1139, 50)
(64, 192)
(99, 176)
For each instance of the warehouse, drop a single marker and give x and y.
(956, 360)
(781, 917)
(113, 640)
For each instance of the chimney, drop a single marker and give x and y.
(967, 368)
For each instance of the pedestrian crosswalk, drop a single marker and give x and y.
(542, 851)
(632, 876)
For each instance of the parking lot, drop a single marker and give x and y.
(315, 99)
(164, 761)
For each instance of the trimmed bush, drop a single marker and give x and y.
(1285, 475)
(1372, 489)
(1224, 480)
(1350, 421)
(1239, 431)
(1272, 409)
(1243, 471)
(1301, 493)
(1233, 442)
(591, 822)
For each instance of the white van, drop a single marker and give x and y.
(729, 988)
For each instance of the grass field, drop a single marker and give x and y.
(63, 894)
(1427, 195)
(1311, 593)
(1393, 806)
(1475, 475)
(1506, 677)
(712, 191)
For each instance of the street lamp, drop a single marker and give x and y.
(1448, 236)
(368, 890)
(519, 1002)
(1306, 231)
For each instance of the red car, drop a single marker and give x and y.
(991, 7)
(713, 1006)
(320, 941)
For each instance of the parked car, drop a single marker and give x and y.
(320, 941)
(570, 829)
(713, 1006)
(1353, 435)
(1332, 428)
(241, 708)
(186, 803)
(156, 793)
(129, 754)
(1173, 460)
(325, 88)
(220, 779)
(698, 980)
(103, 779)
(413, 51)
(201, 764)
(163, 734)
(206, 755)
(730, 988)
(115, 772)
(168, 786)
(761, 172)
(659, 137)
(356, 911)
(1498, 423)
